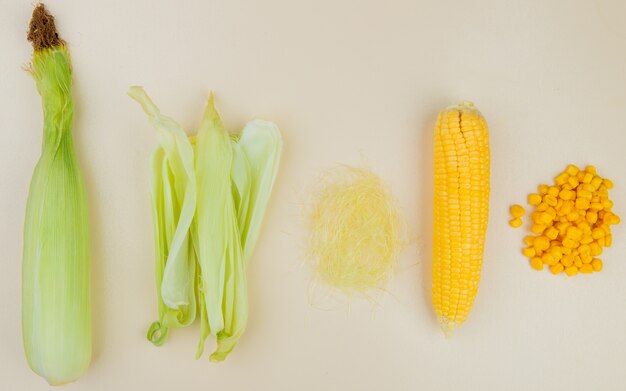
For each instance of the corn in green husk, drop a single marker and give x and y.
(209, 195)
(56, 309)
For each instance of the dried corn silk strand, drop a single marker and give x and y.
(355, 230)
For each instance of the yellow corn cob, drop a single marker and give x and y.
(461, 211)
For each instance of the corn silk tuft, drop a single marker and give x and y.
(356, 232)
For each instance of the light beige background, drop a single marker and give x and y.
(347, 81)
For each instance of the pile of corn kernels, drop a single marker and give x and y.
(571, 222)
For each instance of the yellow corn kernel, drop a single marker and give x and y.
(583, 226)
(542, 207)
(586, 269)
(572, 216)
(537, 229)
(551, 233)
(582, 193)
(582, 203)
(584, 249)
(529, 240)
(573, 182)
(562, 227)
(529, 252)
(571, 271)
(541, 243)
(536, 263)
(548, 259)
(569, 243)
(515, 223)
(591, 169)
(587, 187)
(516, 210)
(601, 242)
(596, 263)
(561, 179)
(545, 219)
(597, 233)
(566, 194)
(574, 233)
(596, 182)
(572, 170)
(587, 178)
(591, 217)
(567, 260)
(586, 258)
(553, 191)
(586, 239)
(580, 176)
(566, 208)
(556, 268)
(607, 204)
(578, 262)
(550, 199)
(595, 249)
(534, 199)
(559, 204)
(556, 253)
(607, 183)
(596, 206)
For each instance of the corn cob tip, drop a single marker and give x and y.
(447, 326)
(42, 31)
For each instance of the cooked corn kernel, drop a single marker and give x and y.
(517, 211)
(596, 263)
(586, 269)
(567, 260)
(515, 223)
(548, 259)
(536, 263)
(551, 233)
(529, 252)
(572, 222)
(572, 170)
(561, 179)
(534, 199)
(541, 243)
(556, 268)
(537, 229)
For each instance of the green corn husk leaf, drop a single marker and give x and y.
(260, 147)
(173, 195)
(219, 249)
(255, 165)
(56, 307)
(230, 186)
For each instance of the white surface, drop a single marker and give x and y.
(344, 80)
